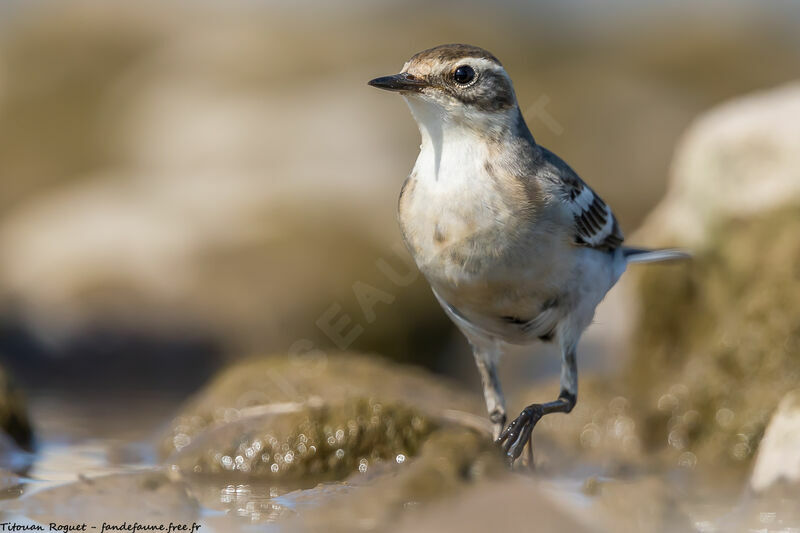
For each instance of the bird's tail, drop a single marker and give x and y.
(643, 255)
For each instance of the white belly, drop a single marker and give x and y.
(473, 246)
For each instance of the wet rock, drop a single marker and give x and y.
(450, 461)
(639, 505)
(717, 342)
(294, 420)
(143, 497)
(14, 421)
(772, 509)
(514, 504)
(778, 458)
(382, 439)
(310, 443)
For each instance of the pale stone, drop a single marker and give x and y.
(738, 159)
(779, 453)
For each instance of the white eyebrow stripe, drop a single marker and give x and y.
(480, 63)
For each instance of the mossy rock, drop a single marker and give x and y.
(310, 444)
(299, 421)
(718, 341)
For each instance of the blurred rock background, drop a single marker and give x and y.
(186, 185)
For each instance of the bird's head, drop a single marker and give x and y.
(455, 84)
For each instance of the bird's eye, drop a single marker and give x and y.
(464, 74)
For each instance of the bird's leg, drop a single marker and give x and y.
(518, 433)
(492, 393)
(487, 352)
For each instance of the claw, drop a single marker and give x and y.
(515, 450)
(504, 434)
(517, 435)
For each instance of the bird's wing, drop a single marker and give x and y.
(594, 224)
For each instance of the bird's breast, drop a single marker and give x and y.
(461, 222)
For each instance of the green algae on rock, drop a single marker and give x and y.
(311, 443)
(718, 341)
(304, 420)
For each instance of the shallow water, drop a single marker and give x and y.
(86, 439)
(80, 439)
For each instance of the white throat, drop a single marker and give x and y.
(450, 147)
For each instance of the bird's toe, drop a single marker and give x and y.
(518, 433)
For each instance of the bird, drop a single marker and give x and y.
(516, 247)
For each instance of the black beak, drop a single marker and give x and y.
(399, 82)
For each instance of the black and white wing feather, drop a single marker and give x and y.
(595, 225)
(592, 223)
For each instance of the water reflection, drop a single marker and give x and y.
(250, 502)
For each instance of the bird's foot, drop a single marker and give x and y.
(513, 439)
